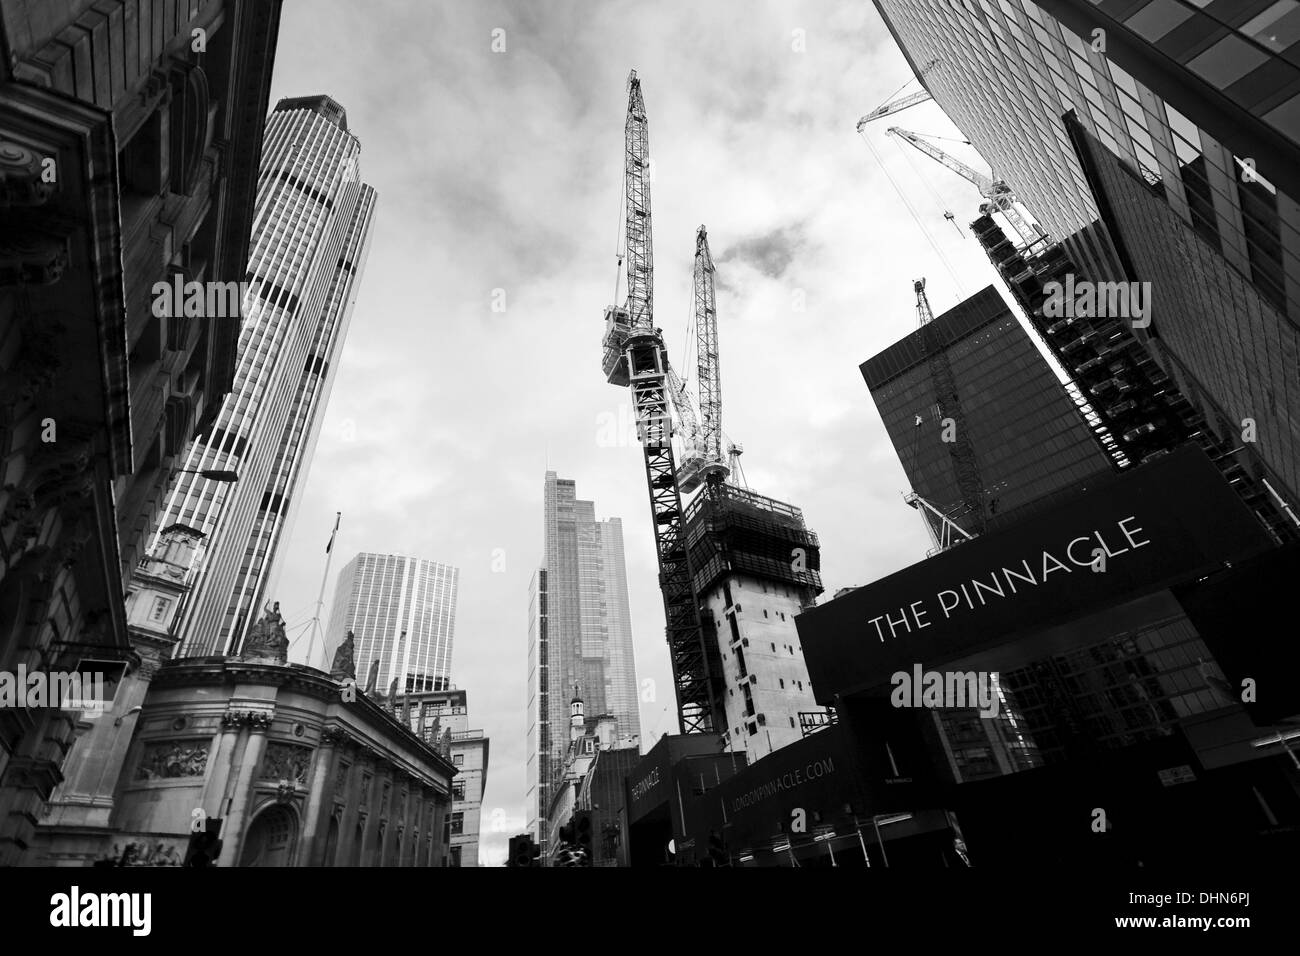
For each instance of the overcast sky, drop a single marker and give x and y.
(503, 171)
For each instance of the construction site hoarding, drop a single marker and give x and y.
(1160, 524)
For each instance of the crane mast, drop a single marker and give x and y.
(704, 461)
(636, 179)
(943, 529)
(998, 195)
(706, 352)
(635, 357)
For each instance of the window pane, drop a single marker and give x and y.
(1157, 19)
(1227, 61)
(1277, 27)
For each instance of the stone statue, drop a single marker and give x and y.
(267, 643)
(446, 743)
(392, 695)
(344, 666)
(373, 679)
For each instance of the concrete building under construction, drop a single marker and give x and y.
(755, 566)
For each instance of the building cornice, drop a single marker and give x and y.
(228, 671)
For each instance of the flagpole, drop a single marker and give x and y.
(320, 601)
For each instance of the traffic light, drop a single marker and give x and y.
(205, 844)
(717, 849)
(582, 836)
(523, 851)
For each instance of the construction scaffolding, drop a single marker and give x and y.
(732, 530)
(1134, 409)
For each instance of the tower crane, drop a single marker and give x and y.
(635, 357)
(897, 104)
(705, 462)
(944, 531)
(997, 194)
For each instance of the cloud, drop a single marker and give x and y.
(770, 254)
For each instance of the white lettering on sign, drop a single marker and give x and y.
(787, 781)
(646, 783)
(1004, 582)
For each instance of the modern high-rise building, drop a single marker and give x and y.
(402, 614)
(311, 231)
(579, 637)
(981, 424)
(1231, 66)
(1197, 103)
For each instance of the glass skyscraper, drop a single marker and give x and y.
(402, 613)
(579, 637)
(973, 375)
(1167, 201)
(311, 231)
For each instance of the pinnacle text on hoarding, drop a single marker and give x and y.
(1002, 582)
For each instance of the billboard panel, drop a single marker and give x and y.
(1159, 524)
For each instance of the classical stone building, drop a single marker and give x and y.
(130, 135)
(298, 768)
(441, 717)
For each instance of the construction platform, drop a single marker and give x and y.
(731, 530)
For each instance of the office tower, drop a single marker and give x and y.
(755, 566)
(1216, 231)
(1229, 66)
(311, 232)
(127, 158)
(402, 614)
(441, 718)
(982, 426)
(1139, 408)
(580, 635)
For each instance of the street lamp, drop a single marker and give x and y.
(1281, 738)
(212, 474)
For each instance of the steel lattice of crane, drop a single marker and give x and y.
(962, 452)
(998, 195)
(704, 461)
(706, 352)
(635, 356)
(636, 181)
(900, 103)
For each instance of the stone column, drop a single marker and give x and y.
(383, 847)
(373, 792)
(221, 761)
(351, 800)
(316, 818)
(410, 822)
(232, 831)
(439, 823)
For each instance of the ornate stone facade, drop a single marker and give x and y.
(286, 762)
(167, 761)
(296, 774)
(121, 163)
